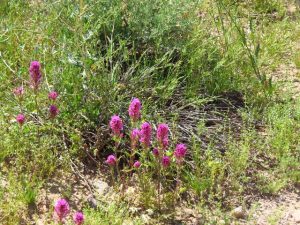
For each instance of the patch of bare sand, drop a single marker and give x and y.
(283, 209)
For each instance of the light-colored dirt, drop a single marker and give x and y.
(281, 210)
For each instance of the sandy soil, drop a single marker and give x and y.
(282, 210)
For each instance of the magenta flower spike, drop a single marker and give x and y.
(162, 135)
(53, 95)
(137, 164)
(53, 111)
(61, 209)
(134, 109)
(111, 160)
(116, 125)
(180, 152)
(78, 218)
(145, 134)
(20, 119)
(35, 74)
(165, 161)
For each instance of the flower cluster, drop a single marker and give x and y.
(141, 141)
(165, 161)
(180, 152)
(137, 164)
(35, 74)
(143, 137)
(35, 82)
(155, 152)
(20, 119)
(62, 210)
(134, 109)
(162, 135)
(78, 218)
(111, 160)
(116, 125)
(53, 111)
(53, 95)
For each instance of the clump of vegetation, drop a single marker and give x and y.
(208, 73)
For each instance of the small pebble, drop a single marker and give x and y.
(239, 213)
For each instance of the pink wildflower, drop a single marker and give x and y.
(78, 218)
(20, 119)
(180, 152)
(134, 109)
(116, 125)
(35, 74)
(162, 135)
(53, 111)
(111, 160)
(145, 134)
(61, 209)
(165, 161)
(53, 95)
(137, 164)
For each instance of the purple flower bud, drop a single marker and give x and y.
(116, 125)
(134, 109)
(78, 218)
(155, 152)
(180, 152)
(137, 164)
(20, 119)
(165, 161)
(61, 209)
(53, 95)
(145, 134)
(111, 160)
(19, 92)
(162, 135)
(53, 111)
(35, 74)
(134, 137)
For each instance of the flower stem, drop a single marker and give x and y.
(112, 176)
(37, 112)
(177, 188)
(159, 186)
